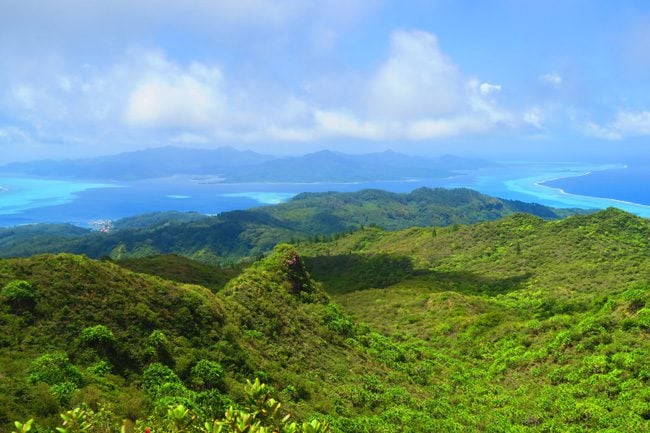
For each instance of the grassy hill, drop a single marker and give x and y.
(183, 270)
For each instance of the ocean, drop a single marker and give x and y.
(628, 184)
(34, 200)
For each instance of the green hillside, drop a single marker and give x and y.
(79, 331)
(243, 235)
(514, 325)
(540, 326)
(183, 270)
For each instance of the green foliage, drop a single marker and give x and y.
(53, 369)
(157, 377)
(262, 414)
(339, 322)
(101, 368)
(76, 420)
(243, 235)
(23, 427)
(208, 374)
(461, 331)
(56, 370)
(19, 294)
(200, 270)
(98, 335)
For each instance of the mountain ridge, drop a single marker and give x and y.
(232, 165)
(236, 235)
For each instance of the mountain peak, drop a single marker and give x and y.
(285, 277)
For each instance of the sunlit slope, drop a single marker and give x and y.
(546, 323)
(75, 331)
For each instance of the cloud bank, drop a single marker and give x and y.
(626, 124)
(415, 93)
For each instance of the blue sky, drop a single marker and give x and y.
(504, 79)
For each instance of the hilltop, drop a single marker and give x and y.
(244, 235)
(90, 331)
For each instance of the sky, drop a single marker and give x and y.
(506, 79)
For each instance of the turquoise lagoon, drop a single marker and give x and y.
(33, 200)
(19, 194)
(263, 197)
(531, 182)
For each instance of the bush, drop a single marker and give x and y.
(100, 368)
(19, 294)
(208, 374)
(98, 335)
(53, 369)
(63, 392)
(156, 376)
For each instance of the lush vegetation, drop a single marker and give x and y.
(76, 331)
(513, 325)
(183, 270)
(154, 219)
(519, 324)
(244, 235)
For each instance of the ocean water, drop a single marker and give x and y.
(628, 184)
(33, 200)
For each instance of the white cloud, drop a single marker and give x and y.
(552, 78)
(172, 96)
(14, 135)
(533, 117)
(594, 130)
(334, 123)
(626, 124)
(633, 123)
(417, 93)
(487, 88)
(416, 81)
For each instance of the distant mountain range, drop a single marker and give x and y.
(142, 164)
(231, 165)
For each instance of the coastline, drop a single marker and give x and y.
(591, 201)
(32, 200)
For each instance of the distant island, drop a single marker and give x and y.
(229, 165)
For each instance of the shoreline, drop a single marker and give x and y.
(524, 183)
(543, 184)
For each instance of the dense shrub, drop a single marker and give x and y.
(208, 374)
(19, 294)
